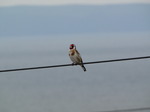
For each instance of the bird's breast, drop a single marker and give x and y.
(72, 53)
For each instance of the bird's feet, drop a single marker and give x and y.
(74, 64)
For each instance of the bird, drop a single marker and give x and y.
(75, 56)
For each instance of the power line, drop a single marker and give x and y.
(94, 62)
(114, 60)
(128, 110)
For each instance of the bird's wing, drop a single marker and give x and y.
(78, 56)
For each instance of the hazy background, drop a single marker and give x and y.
(40, 35)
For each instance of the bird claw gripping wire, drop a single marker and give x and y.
(74, 64)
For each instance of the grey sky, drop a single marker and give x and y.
(59, 2)
(110, 86)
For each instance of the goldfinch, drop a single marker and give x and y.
(75, 56)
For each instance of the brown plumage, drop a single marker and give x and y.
(75, 56)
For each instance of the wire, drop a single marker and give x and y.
(94, 62)
(128, 110)
(114, 60)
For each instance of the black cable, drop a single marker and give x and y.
(114, 60)
(94, 62)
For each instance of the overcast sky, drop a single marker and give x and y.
(59, 2)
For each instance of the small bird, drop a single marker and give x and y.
(75, 56)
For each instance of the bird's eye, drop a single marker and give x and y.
(71, 47)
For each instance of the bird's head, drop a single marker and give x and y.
(72, 46)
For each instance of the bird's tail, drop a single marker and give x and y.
(83, 67)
